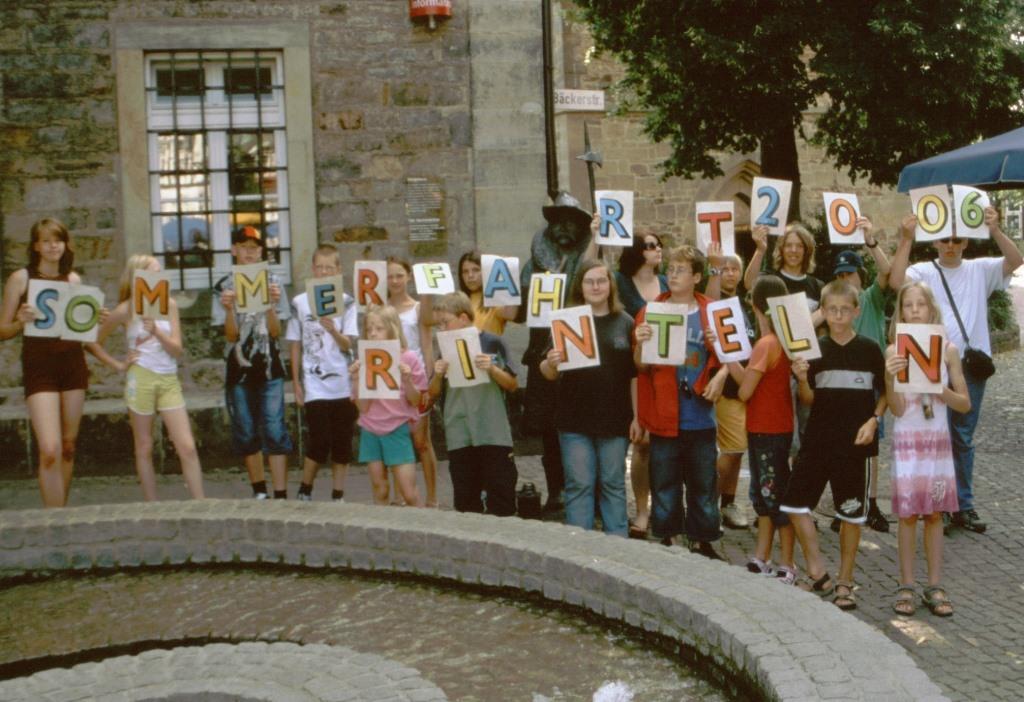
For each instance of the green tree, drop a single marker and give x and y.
(899, 80)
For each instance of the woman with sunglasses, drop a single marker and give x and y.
(639, 280)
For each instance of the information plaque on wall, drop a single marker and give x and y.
(424, 203)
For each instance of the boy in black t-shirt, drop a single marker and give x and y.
(841, 434)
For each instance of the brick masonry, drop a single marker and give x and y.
(777, 640)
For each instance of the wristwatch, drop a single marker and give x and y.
(871, 246)
(714, 271)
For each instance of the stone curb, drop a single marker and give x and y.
(778, 640)
(275, 672)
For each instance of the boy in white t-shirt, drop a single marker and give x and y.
(319, 362)
(970, 282)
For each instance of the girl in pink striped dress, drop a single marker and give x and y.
(923, 477)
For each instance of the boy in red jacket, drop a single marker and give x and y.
(676, 405)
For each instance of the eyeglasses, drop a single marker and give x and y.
(652, 246)
(839, 311)
(678, 270)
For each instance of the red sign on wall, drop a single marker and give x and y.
(430, 8)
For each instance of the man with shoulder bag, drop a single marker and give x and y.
(962, 288)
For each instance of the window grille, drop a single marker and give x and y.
(217, 159)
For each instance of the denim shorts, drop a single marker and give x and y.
(257, 418)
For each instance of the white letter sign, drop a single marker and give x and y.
(460, 349)
(501, 280)
(667, 345)
(841, 213)
(379, 377)
(151, 294)
(769, 204)
(923, 345)
(63, 310)
(433, 278)
(370, 283)
(931, 205)
(969, 205)
(716, 223)
(547, 294)
(793, 325)
(326, 296)
(252, 287)
(726, 318)
(616, 210)
(573, 333)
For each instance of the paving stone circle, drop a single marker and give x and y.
(246, 672)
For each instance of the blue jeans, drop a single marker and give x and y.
(961, 431)
(685, 460)
(257, 418)
(589, 462)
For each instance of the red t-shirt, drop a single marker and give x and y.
(770, 408)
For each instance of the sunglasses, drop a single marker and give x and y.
(652, 246)
(950, 240)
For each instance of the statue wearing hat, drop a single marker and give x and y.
(559, 247)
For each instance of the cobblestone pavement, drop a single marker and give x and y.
(978, 654)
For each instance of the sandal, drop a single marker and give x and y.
(636, 532)
(822, 587)
(937, 602)
(844, 598)
(904, 604)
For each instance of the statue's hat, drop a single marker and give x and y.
(565, 204)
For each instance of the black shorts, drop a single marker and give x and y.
(330, 424)
(847, 475)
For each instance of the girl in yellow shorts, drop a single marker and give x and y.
(151, 383)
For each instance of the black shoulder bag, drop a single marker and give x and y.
(977, 364)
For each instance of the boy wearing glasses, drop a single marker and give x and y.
(676, 405)
(970, 282)
(846, 391)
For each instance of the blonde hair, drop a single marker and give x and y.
(389, 316)
(807, 265)
(840, 288)
(136, 262)
(897, 316)
(328, 250)
(455, 303)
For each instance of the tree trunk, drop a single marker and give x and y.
(779, 160)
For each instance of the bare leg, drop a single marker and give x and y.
(808, 538)
(405, 479)
(849, 540)
(309, 470)
(279, 471)
(933, 541)
(180, 431)
(254, 466)
(765, 534)
(72, 402)
(906, 536)
(786, 537)
(728, 467)
(338, 473)
(379, 482)
(640, 480)
(425, 451)
(45, 413)
(142, 434)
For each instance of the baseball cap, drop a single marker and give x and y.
(246, 233)
(848, 262)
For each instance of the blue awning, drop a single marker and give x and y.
(992, 164)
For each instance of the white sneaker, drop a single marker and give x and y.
(733, 517)
(261, 496)
(303, 497)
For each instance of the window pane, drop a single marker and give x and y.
(243, 81)
(179, 81)
(186, 241)
(252, 149)
(188, 148)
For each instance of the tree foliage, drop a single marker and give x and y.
(899, 80)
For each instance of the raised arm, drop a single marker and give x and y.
(901, 259)
(877, 252)
(760, 237)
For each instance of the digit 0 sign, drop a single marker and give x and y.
(931, 205)
(842, 211)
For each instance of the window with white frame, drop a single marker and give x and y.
(217, 159)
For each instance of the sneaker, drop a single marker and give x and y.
(785, 575)
(970, 521)
(758, 567)
(704, 548)
(261, 496)
(733, 517)
(878, 521)
(338, 500)
(305, 497)
(837, 524)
